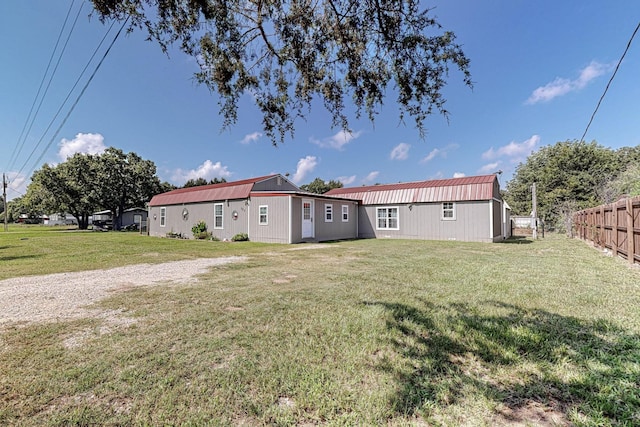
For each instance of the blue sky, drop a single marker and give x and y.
(539, 69)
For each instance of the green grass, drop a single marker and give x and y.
(365, 332)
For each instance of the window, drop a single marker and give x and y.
(387, 218)
(264, 215)
(217, 215)
(163, 217)
(448, 211)
(328, 213)
(345, 213)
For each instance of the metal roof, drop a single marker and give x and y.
(440, 190)
(206, 193)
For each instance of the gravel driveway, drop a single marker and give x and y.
(65, 295)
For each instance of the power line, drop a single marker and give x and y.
(610, 80)
(20, 143)
(104, 56)
(69, 95)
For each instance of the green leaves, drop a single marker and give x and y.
(286, 53)
(86, 183)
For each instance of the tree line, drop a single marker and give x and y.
(570, 176)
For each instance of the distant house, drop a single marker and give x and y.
(268, 209)
(130, 217)
(466, 209)
(61, 219)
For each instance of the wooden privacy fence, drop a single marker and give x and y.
(615, 226)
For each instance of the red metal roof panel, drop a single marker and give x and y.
(454, 189)
(205, 193)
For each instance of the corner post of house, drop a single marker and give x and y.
(614, 229)
(631, 250)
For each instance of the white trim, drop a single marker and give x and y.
(491, 219)
(221, 216)
(266, 215)
(290, 219)
(452, 209)
(387, 218)
(163, 218)
(343, 212)
(328, 212)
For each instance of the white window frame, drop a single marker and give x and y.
(345, 213)
(387, 217)
(448, 207)
(163, 217)
(216, 216)
(328, 212)
(265, 215)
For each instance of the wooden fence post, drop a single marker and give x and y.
(631, 251)
(614, 229)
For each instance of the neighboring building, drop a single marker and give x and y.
(267, 209)
(60, 219)
(467, 209)
(130, 217)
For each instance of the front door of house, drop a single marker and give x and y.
(307, 219)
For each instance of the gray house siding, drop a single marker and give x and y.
(336, 228)
(176, 223)
(425, 221)
(276, 230)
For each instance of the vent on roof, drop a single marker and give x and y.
(279, 180)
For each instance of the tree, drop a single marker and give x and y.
(318, 186)
(567, 174)
(67, 187)
(201, 181)
(85, 183)
(124, 181)
(286, 53)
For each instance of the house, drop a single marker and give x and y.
(467, 209)
(132, 217)
(268, 209)
(61, 219)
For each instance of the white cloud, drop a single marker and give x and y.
(208, 170)
(432, 154)
(515, 151)
(489, 168)
(459, 175)
(305, 166)
(252, 137)
(371, 177)
(439, 152)
(86, 143)
(347, 180)
(337, 141)
(400, 151)
(561, 86)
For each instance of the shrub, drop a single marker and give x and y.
(200, 231)
(240, 237)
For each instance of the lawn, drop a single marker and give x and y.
(364, 332)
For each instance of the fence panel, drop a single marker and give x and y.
(615, 226)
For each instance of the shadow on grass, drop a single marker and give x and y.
(518, 240)
(14, 257)
(533, 365)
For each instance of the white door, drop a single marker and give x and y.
(307, 219)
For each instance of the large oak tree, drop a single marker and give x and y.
(286, 53)
(85, 183)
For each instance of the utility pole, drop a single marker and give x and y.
(4, 200)
(534, 211)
